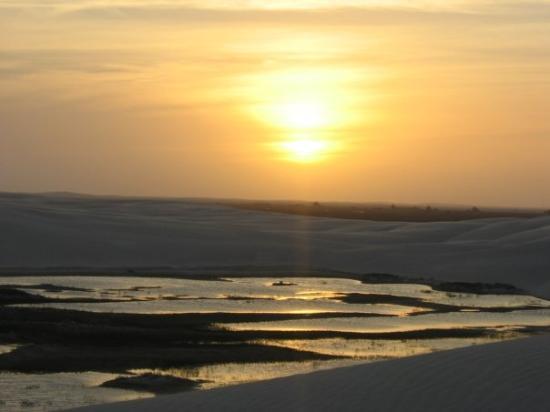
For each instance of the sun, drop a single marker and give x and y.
(302, 115)
(305, 124)
(305, 111)
(305, 150)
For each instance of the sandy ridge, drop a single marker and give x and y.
(98, 233)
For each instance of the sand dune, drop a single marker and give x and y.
(508, 376)
(98, 233)
(62, 233)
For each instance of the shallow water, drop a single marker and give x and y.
(45, 392)
(453, 320)
(161, 295)
(50, 392)
(7, 348)
(234, 306)
(377, 349)
(226, 374)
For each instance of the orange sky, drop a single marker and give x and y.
(367, 101)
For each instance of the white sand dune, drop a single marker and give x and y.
(64, 233)
(99, 233)
(507, 376)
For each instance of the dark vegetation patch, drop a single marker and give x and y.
(392, 213)
(9, 295)
(65, 358)
(149, 382)
(452, 287)
(48, 287)
(433, 307)
(401, 335)
(173, 297)
(366, 298)
(478, 288)
(283, 283)
(46, 325)
(133, 289)
(370, 298)
(62, 340)
(69, 327)
(242, 298)
(12, 296)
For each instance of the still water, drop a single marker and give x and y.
(398, 308)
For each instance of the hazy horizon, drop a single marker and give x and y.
(419, 102)
(373, 203)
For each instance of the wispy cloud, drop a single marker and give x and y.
(26, 61)
(313, 12)
(342, 15)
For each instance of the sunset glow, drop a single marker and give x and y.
(260, 100)
(304, 125)
(305, 150)
(302, 114)
(309, 110)
(193, 174)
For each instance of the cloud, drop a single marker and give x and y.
(507, 13)
(313, 12)
(28, 61)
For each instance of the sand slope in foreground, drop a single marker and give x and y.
(507, 376)
(98, 233)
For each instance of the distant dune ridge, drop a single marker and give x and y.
(64, 231)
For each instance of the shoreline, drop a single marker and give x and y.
(504, 376)
(49, 234)
(225, 274)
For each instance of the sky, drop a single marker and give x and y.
(352, 100)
